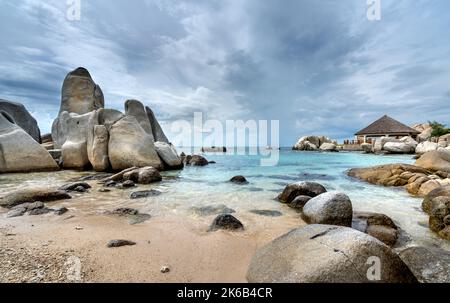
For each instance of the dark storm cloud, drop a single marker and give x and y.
(320, 67)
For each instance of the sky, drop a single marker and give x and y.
(320, 67)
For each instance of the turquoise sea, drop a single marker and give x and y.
(209, 186)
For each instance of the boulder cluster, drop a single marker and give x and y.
(315, 143)
(85, 135)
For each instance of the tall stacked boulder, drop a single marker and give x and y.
(90, 135)
(19, 152)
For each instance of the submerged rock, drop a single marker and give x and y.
(145, 194)
(332, 208)
(144, 175)
(211, 210)
(326, 254)
(299, 202)
(376, 225)
(75, 186)
(227, 222)
(133, 215)
(292, 191)
(32, 195)
(266, 213)
(196, 160)
(239, 180)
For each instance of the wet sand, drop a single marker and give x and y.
(181, 243)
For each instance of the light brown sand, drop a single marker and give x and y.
(180, 243)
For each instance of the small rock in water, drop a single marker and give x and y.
(111, 184)
(227, 222)
(94, 177)
(299, 202)
(77, 186)
(212, 210)
(39, 211)
(266, 213)
(104, 190)
(16, 212)
(128, 184)
(60, 211)
(80, 189)
(125, 211)
(165, 269)
(120, 243)
(212, 162)
(145, 194)
(239, 180)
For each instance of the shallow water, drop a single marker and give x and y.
(209, 186)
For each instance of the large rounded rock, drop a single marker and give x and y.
(22, 118)
(129, 145)
(19, 152)
(196, 160)
(435, 161)
(425, 147)
(332, 208)
(429, 265)
(168, 155)
(80, 94)
(32, 195)
(399, 148)
(329, 147)
(327, 254)
(381, 142)
(292, 191)
(144, 175)
(439, 192)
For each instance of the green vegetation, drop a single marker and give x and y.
(439, 129)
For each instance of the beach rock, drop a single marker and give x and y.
(144, 175)
(367, 148)
(435, 161)
(425, 147)
(119, 176)
(205, 211)
(145, 194)
(127, 184)
(428, 200)
(60, 211)
(427, 187)
(80, 94)
(120, 243)
(16, 212)
(266, 213)
(331, 208)
(329, 147)
(40, 211)
(326, 254)
(227, 222)
(388, 175)
(168, 155)
(136, 109)
(100, 158)
(22, 118)
(239, 180)
(376, 225)
(381, 142)
(414, 187)
(292, 191)
(19, 152)
(429, 265)
(399, 148)
(110, 184)
(299, 202)
(125, 211)
(196, 160)
(158, 133)
(32, 195)
(305, 146)
(311, 143)
(130, 146)
(73, 186)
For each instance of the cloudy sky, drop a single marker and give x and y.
(317, 66)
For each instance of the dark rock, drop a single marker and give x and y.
(144, 175)
(331, 208)
(120, 243)
(239, 180)
(125, 211)
(292, 191)
(211, 210)
(60, 211)
(93, 177)
(133, 215)
(299, 202)
(22, 118)
(212, 162)
(227, 222)
(196, 160)
(32, 195)
(40, 211)
(110, 184)
(16, 212)
(145, 194)
(77, 186)
(128, 184)
(266, 213)
(429, 265)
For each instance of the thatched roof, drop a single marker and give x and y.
(387, 125)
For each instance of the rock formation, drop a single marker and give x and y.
(315, 143)
(22, 118)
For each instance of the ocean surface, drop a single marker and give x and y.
(209, 186)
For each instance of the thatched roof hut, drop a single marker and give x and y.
(386, 127)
